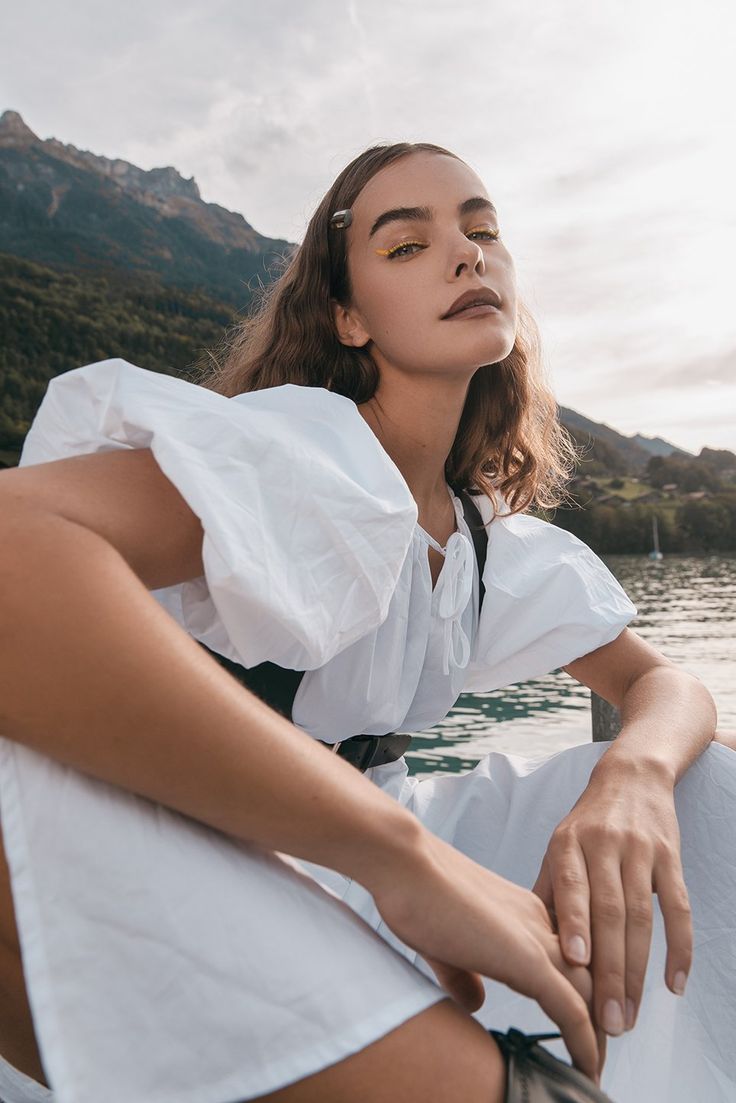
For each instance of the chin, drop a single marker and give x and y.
(493, 355)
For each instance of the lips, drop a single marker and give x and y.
(478, 296)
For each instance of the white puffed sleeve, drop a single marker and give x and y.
(306, 522)
(549, 599)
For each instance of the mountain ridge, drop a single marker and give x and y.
(40, 178)
(163, 183)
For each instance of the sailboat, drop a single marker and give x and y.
(655, 553)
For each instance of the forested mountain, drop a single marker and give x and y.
(100, 258)
(53, 320)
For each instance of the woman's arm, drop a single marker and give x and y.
(84, 539)
(621, 840)
(668, 717)
(95, 674)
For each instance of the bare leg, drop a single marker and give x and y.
(442, 1055)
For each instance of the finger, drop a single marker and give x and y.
(571, 896)
(608, 927)
(578, 975)
(675, 904)
(465, 987)
(637, 882)
(543, 885)
(566, 1007)
(543, 889)
(602, 1039)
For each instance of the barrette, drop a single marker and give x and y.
(341, 219)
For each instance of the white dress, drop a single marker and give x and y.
(167, 963)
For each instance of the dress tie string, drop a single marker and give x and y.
(455, 586)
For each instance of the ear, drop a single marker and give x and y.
(349, 325)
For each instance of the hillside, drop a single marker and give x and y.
(51, 321)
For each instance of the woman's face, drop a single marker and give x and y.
(406, 272)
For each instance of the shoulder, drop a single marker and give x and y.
(535, 533)
(306, 519)
(135, 406)
(549, 600)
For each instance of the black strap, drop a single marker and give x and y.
(274, 684)
(277, 685)
(479, 535)
(364, 751)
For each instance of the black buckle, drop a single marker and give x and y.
(364, 751)
(361, 750)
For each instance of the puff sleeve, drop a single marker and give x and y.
(306, 523)
(549, 600)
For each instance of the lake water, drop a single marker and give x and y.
(686, 609)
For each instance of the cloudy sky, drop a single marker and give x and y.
(603, 129)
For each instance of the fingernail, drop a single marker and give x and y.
(630, 1013)
(678, 984)
(613, 1017)
(577, 949)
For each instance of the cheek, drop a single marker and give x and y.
(510, 275)
(378, 301)
(392, 306)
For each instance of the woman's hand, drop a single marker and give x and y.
(467, 922)
(620, 842)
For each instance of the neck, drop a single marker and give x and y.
(415, 421)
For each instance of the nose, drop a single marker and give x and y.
(468, 255)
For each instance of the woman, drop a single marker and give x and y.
(166, 831)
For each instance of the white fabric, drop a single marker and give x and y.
(574, 603)
(16, 1087)
(273, 461)
(166, 962)
(169, 964)
(296, 467)
(502, 814)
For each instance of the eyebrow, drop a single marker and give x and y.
(425, 214)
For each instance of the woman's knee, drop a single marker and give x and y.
(441, 1055)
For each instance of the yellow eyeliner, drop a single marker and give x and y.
(385, 252)
(393, 249)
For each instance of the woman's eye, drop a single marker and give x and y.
(492, 235)
(399, 250)
(396, 251)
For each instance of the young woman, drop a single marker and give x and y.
(207, 905)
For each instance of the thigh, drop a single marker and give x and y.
(441, 1055)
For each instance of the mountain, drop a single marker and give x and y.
(621, 454)
(656, 446)
(71, 209)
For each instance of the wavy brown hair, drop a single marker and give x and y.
(509, 438)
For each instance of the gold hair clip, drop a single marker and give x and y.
(341, 219)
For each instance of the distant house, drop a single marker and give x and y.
(669, 486)
(650, 496)
(697, 494)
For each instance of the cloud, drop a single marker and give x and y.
(709, 369)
